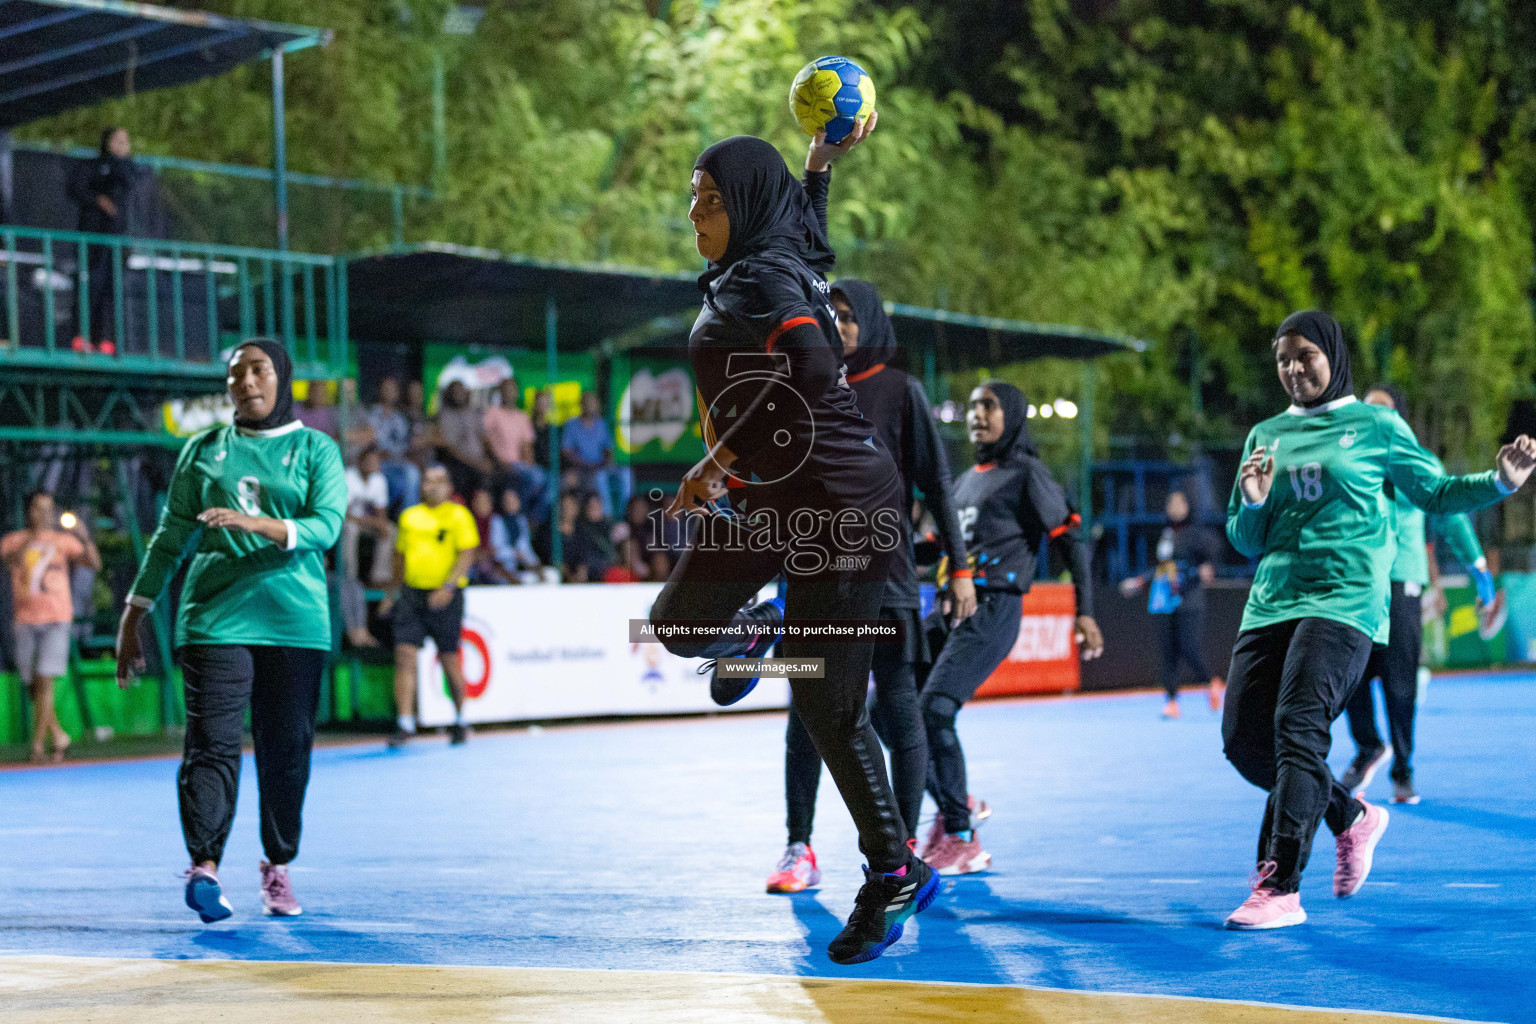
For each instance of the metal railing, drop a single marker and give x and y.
(164, 305)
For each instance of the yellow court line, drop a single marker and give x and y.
(46, 990)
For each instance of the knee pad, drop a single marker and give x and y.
(939, 711)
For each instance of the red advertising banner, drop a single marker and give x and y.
(1044, 658)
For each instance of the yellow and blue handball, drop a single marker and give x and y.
(832, 93)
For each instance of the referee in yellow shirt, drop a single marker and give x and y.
(434, 549)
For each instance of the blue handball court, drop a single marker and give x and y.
(627, 851)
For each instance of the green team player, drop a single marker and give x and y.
(1310, 502)
(1397, 664)
(264, 499)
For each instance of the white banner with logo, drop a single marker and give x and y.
(539, 652)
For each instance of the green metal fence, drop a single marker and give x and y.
(166, 305)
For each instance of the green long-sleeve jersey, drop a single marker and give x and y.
(1324, 536)
(242, 588)
(1412, 562)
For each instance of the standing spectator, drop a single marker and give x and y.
(39, 558)
(367, 516)
(461, 440)
(511, 541)
(392, 434)
(588, 443)
(544, 429)
(100, 188)
(509, 434)
(317, 412)
(435, 549)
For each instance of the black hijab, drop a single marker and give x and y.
(1015, 439)
(877, 338)
(1399, 400)
(769, 211)
(1323, 331)
(282, 407)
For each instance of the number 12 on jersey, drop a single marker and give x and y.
(1307, 481)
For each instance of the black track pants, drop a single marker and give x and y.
(1397, 666)
(971, 653)
(711, 582)
(1287, 684)
(281, 686)
(1181, 632)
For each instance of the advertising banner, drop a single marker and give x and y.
(481, 369)
(654, 410)
(1044, 657)
(564, 652)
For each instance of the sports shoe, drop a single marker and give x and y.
(1171, 709)
(457, 734)
(205, 895)
(881, 909)
(1403, 792)
(980, 811)
(1266, 908)
(1217, 692)
(398, 739)
(797, 870)
(1355, 847)
(726, 692)
(277, 898)
(1363, 769)
(954, 854)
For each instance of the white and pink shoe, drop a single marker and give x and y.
(1267, 908)
(1356, 846)
(953, 854)
(796, 870)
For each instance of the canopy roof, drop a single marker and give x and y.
(65, 54)
(444, 293)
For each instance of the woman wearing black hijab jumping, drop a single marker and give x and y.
(814, 495)
(894, 401)
(1009, 508)
(1324, 540)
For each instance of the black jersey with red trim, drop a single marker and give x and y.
(767, 319)
(1008, 511)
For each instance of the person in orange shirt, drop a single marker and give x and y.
(40, 558)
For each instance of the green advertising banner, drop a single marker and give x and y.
(1463, 638)
(481, 369)
(654, 412)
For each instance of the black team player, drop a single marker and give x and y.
(1009, 508)
(814, 495)
(894, 401)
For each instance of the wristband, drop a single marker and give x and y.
(461, 582)
(961, 574)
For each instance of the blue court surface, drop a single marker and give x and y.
(1120, 842)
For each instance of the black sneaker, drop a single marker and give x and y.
(1403, 792)
(726, 692)
(881, 909)
(457, 734)
(398, 739)
(1363, 768)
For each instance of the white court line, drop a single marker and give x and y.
(1175, 881)
(1471, 885)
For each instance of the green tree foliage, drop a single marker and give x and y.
(1186, 172)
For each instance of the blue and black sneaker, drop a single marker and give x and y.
(726, 692)
(881, 909)
(206, 896)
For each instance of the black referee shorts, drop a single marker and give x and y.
(415, 620)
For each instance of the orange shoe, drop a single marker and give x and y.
(797, 870)
(1218, 692)
(1171, 709)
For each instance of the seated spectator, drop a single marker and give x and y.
(392, 435)
(511, 541)
(544, 428)
(317, 412)
(650, 558)
(483, 569)
(509, 434)
(624, 569)
(39, 558)
(367, 517)
(591, 552)
(423, 444)
(358, 434)
(460, 440)
(586, 445)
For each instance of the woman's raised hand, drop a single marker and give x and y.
(824, 154)
(1516, 460)
(1257, 473)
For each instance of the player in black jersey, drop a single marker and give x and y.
(1009, 507)
(814, 495)
(894, 401)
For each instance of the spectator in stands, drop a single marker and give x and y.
(101, 188)
(39, 558)
(648, 553)
(509, 434)
(590, 551)
(587, 444)
(627, 567)
(318, 413)
(483, 507)
(460, 440)
(511, 541)
(357, 434)
(367, 517)
(392, 434)
(423, 446)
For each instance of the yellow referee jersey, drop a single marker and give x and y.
(430, 539)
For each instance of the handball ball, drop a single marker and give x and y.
(832, 93)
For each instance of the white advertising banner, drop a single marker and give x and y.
(538, 652)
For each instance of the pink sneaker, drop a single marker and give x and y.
(1267, 908)
(1356, 846)
(277, 897)
(980, 812)
(953, 855)
(797, 870)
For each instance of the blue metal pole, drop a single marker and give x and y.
(552, 367)
(279, 149)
